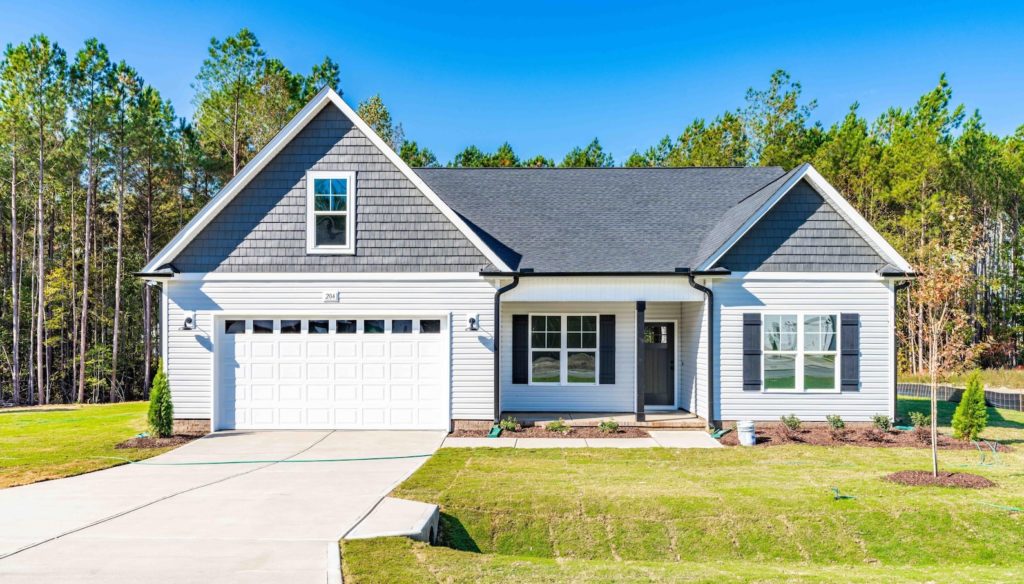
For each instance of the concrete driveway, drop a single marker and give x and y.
(251, 522)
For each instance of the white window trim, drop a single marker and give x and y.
(800, 351)
(564, 351)
(350, 214)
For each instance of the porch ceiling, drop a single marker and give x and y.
(604, 289)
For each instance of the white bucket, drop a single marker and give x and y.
(746, 431)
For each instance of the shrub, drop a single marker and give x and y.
(835, 422)
(508, 424)
(882, 422)
(161, 410)
(791, 422)
(559, 426)
(971, 417)
(920, 419)
(609, 426)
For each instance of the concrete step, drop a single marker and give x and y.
(399, 517)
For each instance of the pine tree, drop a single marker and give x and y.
(161, 410)
(971, 417)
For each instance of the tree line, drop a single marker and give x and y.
(101, 172)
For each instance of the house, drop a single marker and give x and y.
(329, 285)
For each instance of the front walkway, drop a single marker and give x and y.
(240, 516)
(658, 439)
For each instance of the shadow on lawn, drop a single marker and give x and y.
(946, 409)
(455, 536)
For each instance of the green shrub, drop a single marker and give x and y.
(971, 417)
(882, 422)
(558, 425)
(920, 419)
(609, 426)
(791, 422)
(508, 424)
(161, 410)
(835, 422)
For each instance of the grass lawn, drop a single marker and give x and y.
(992, 378)
(662, 515)
(37, 444)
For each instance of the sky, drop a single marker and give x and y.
(547, 76)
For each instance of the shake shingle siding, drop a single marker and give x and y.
(263, 229)
(802, 233)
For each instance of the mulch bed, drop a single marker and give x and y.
(922, 478)
(775, 434)
(154, 442)
(540, 432)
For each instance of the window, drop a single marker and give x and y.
(234, 327)
(330, 212)
(401, 326)
(345, 327)
(800, 352)
(291, 327)
(318, 327)
(563, 349)
(373, 327)
(430, 326)
(263, 327)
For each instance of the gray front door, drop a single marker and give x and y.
(659, 363)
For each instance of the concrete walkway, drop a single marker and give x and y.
(167, 523)
(658, 439)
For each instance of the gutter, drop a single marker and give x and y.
(526, 272)
(497, 344)
(896, 287)
(711, 340)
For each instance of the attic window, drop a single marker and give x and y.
(330, 212)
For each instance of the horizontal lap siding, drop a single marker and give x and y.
(872, 300)
(190, 353)
(617, 397)
(691, 331)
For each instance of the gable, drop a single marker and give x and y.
(802, 233)
(263, 228)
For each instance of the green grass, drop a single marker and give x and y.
(766, 515)
(37, 444)
(992, 378)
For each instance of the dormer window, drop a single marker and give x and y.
(330, 212)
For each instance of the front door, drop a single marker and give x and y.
(659, 363)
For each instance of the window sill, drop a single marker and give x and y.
(330, 251)
(801, 391)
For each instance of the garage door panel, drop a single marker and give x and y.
(334, 379)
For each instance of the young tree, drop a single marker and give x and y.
(161, 408)
(971, 417)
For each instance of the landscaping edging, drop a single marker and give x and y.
(1007, 399)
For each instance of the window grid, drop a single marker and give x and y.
(564, 348)
(797, 343)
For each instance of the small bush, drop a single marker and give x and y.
(835, 422)
(559, 426)
(791, 422)
(161, 410)
(882, 422)
(609, 426)
(971, 417)
(920, 419)
(508, 424)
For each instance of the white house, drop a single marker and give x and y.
(330, 285)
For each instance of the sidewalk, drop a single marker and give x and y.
(658, 439)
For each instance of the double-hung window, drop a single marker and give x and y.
(563, 349)
(330, 212)
(800, 352)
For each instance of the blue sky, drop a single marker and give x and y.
(547, 76)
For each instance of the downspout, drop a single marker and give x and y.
(711, 346)
(896, 287)
(497, 345)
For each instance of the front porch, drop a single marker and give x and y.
(677, 419)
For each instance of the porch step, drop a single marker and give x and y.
(661, 419)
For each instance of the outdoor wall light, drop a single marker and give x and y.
(190, 322)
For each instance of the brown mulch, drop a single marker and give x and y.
(921, 478)
(540, 432)
(154, 442)
(775, 434)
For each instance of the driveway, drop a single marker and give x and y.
(258, 521)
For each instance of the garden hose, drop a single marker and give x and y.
(1003, 507)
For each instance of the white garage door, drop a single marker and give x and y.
(367, 373)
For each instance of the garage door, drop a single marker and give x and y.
(365, 373)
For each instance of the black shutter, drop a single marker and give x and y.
(607, 348)
(752, 351)
(849, 363)
(520, 348)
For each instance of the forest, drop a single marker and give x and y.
(100, 172)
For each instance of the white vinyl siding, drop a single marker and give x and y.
(693, 369)
(870, 298)
(190, 352)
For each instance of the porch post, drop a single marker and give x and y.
(641, 382)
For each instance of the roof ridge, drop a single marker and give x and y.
(418, 168)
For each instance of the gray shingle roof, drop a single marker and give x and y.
(604, 220)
